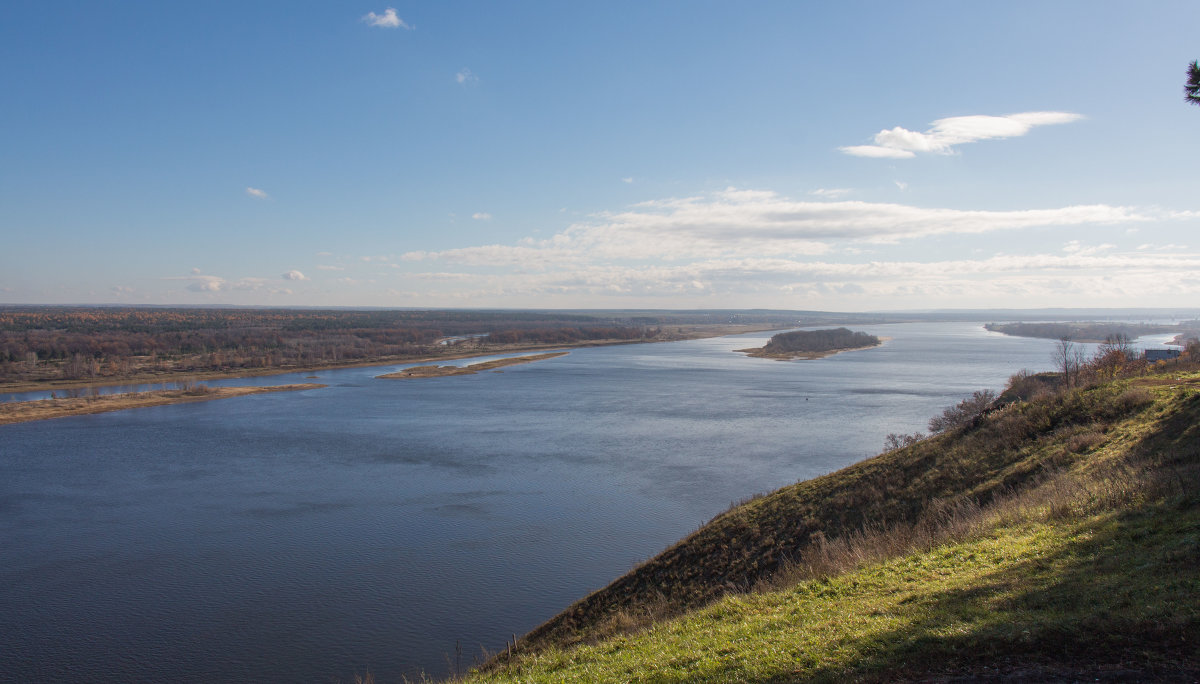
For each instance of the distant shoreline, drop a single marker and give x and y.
(685, 332)
(759, 353)
(444, 371)
(45, 409)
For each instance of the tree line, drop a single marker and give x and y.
(819, 341)
(102, 342)
(1082, 332)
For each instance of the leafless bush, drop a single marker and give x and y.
(964, 412)
(193, 388)
(900, 440)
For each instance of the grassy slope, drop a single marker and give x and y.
(1085, 554)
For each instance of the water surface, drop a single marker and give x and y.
(375, 524)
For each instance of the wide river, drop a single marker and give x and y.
(390, 525)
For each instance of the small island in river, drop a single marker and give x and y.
(442, 371)
(812, 344)
(43, 409)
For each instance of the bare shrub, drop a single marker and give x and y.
(964, 412)
(193, 388)
(899, 440)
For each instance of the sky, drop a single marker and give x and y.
(848, 156)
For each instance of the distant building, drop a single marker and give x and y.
(1153, 355)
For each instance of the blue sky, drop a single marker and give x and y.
(838, 156)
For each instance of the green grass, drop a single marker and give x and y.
(1043, 592)
(1048, 539)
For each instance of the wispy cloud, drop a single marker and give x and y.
(831, 193)
(465, 76)
(389, 19)
(256, 193)
(751, 222)
(294, 275)
(481, 216)
(743, 223)
(945, 134)
(204, 283)
(754, 245)
(1077, 247)
(627, 179)
(209, 284)
(329, 267)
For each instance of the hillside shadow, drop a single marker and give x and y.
(1117, 603)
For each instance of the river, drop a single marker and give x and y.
(383, 525)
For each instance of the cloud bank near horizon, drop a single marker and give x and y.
(758, 246)
(738, 248)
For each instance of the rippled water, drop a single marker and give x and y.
(375, 524)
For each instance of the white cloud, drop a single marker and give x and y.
(752, 223)
(388, 19)
(876, 151)
(628, 179)
(210, 283)
(329, 267)
(831, 193)
(481, 216)
(902, 185)
(1077, 247)
(739, 246)
(945, 134)
(294, 275)
(206, 283)
(972, 282)
(762, 223)
(256, 193)
(465, 76)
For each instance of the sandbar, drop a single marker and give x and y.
(443, 371)
(44, 409)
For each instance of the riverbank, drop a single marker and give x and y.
(45, 409)
(443, 371)
(675, 334)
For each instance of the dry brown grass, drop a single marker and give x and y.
(1132, 478)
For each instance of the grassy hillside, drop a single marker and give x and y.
(1050, 537)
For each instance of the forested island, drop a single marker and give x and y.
(812, 344)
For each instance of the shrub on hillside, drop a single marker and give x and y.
(964, 412)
